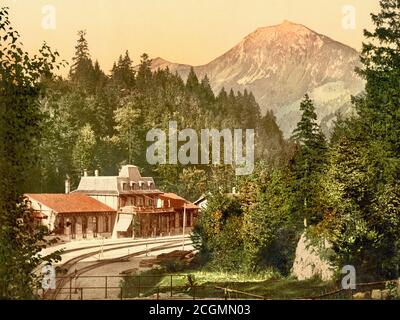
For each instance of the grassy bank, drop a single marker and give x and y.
(203, 284)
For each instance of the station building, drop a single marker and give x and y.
(127, 205)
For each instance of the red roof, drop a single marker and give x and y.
(178, 199)
(70, 203)
(173, 196)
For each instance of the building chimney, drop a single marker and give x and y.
(67, 185)
(85, 173)
(96, 173)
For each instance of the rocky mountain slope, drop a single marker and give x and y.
(281, 63)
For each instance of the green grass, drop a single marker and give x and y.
(265, 284)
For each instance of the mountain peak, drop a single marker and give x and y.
(159, 60)
(285, 30)
(287, 22)
(289, 27)
(279, 64)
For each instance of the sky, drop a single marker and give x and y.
(185, 31)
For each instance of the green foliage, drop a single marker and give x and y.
(217, 235)
(122, 73)
(270, 229)
(21, 86)
(93, 121)
(379, 108)
(252, 230)
(361, 214)
(308, 162)
(361, 194)
(83, 152)
(347, 191)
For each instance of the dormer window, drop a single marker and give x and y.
(124, 186)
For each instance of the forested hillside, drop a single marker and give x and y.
(98, 121)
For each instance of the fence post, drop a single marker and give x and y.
(194, 292)
(76, 289)
(171, 285)
(81, 293)
(121, 292)
(70, 288)
(139, 287)
(106, 288)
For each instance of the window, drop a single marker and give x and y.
(124, 186)
(140, 204)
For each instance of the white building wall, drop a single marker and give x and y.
(111, 201)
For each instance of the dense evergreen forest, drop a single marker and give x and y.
(95, 121)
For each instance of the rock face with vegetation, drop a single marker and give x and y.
(309, 263)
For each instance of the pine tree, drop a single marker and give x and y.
(122, 73)
(309, 160)
(192, 82)
(269, 140)
(206, 94)
(361, 189)
(380, 107)
(82, 68)
(99, 77)
(144, 74)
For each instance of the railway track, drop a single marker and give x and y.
(60, 283)
(144, 241)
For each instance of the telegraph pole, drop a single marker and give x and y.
(184, 224)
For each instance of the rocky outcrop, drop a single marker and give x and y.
(308, 262)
